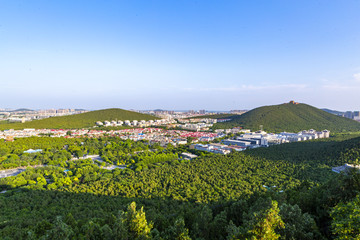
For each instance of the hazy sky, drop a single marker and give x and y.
(217, 55)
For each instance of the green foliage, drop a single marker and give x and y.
(290, 118)
(83, 120)
(259, 224)
(346, 219)
(60, 230)
(136, 224)
(212, 197)
(58, 151)
(179, 231)
(298, 225)
(265, 223)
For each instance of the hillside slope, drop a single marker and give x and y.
(82, 120)
(291, 118)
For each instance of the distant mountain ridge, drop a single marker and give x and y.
(215, 116)
(291, 118)
(82, 120)
(333, 111)
(23, 110)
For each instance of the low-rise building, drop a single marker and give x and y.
(236, 142)
(188, 156)
(345, 168)
(211, 148)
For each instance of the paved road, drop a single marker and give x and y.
(110, 167)
(16, 171)
(10, 172)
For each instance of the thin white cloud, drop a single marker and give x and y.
(351, 84)
(344, 88)
(336, 86)
(251, 88)
(357, 76)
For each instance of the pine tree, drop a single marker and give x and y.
(60, 230)
(135, 223)
(266, 222)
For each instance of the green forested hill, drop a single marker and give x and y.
(82, 120)
(291, 118)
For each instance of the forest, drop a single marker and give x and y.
(285, 191)
(290, 118)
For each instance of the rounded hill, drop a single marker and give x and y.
(82, 120)
(291, 118)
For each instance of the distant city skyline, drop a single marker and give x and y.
(179, 54)
(176, 110)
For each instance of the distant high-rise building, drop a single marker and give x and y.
(349, 114)
(357, 115)
(62, 111)
(202, 111)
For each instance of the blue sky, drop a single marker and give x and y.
(216, 55)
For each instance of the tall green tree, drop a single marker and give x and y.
(60, 230)
(298, 225)
(178, 231)
(136, 224)
(346, 220)
(261, 226)
(266, 222)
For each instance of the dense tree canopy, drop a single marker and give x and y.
(281, 192)
(290, 118)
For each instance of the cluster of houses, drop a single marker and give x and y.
(202, 120)
(260, 139)
(305, 135)
(234, 130)
(135, 123)
(32, 132)
(153, 135)
(197, 126)
(198, 120)
(217, 148)
(25, 115)
(165, 137)
(263, 139)
(202, 124)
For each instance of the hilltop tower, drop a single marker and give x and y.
(293, 102)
